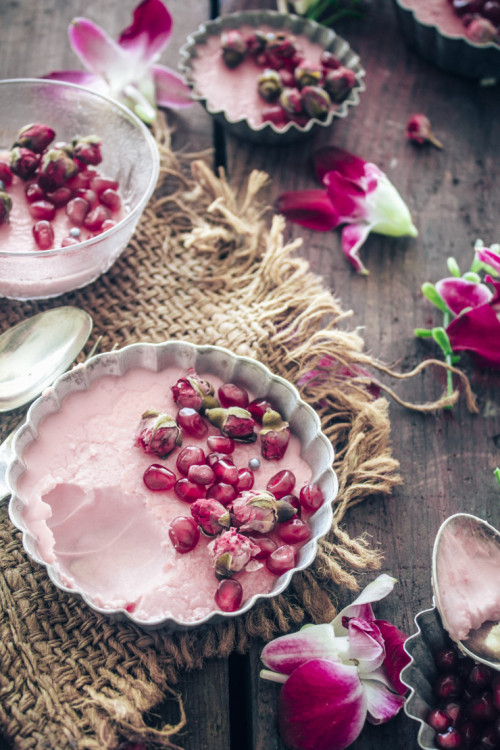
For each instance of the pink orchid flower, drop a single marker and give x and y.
(126, 70)
(337, 675)
(358, 194)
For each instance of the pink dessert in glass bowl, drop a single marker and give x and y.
(165, 512)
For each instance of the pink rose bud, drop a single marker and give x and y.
(211, 516)
(193, 392)
(254, 511)
(418, 129)
(56, 168)
(274, 436)
(230, 553)
(23, 161)
(87, 149)
(234, 422)
(339, 83)
(158, 433)
(5, 207)
(36, 137)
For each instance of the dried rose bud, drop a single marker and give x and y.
(329, 61)
(5, 207)
(6, 174)
(308, 74)
(282, 50)
(291, 101)
(56, 168)
(254, 511)
(269, 85)
(193, 392)
(418, 129)
(316, 102)
(234, 422)
(276, 115)
(87, 149)
(36, 137)
(256, 42)
(274, 436)
(210, 515)
(233, 48)
(339, 83)
(230, 553)
(23, 161)
(158, 433)
(481, 31)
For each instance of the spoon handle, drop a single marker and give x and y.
(5, 458)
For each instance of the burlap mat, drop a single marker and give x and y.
(211, 267)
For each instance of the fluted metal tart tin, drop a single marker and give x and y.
(316, 449)
(268, 133)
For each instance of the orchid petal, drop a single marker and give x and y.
(353, 237)
(149, 31)
(310, 208)
(97, 51)
(489, 257)
(286, 653)
(322, 706)
(366, 645)
(460, 293)
(79, 77)
(388, 212)
(396, 657)
(360, 607)
(332, 159)
(478, 332)
(347, 196)
(171, 91)
(382, 704)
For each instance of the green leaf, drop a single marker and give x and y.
(441, 338)
(432, 294)
(497, 475)
(423, 333)
(453, 267)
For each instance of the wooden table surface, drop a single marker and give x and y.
(447, 459)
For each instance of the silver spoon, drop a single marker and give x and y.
(464, 536)
(32, 355)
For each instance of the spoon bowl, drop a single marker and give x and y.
(465, 574)
(34, 352)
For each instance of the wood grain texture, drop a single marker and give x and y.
(447, 459)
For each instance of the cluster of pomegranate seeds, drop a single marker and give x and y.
(60, 178)
(467, 715)
(246, 523)
(295, 88)
(481, 19)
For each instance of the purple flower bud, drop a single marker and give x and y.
(230, 552)
(193, 392)
(36, 137)
(339, 83)
(158, 433)
(23, 161)
(316, 101)
(233, 422)
(274, 436)
(254, 511)
(5, 207)
(269, 85)
(233, 48)
(57, 167)
(210, 515)
(308, 74)
(87, 149)
(291, 101)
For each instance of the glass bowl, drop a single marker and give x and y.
(438, 36)
(39, 505)
(129, 155)
(267, 133)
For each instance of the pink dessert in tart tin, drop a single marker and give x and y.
(100, 510)
(230, 94)
(440, 37)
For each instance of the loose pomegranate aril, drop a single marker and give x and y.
(220, 444)
(213, 457)
(108, 224)
(448, 686)
(96, 218)
(470, 732)
(281, 483)
(76, 210)
(100, 184)
(6, 174)
(281, 560)
(246, 479)
(311, 496)
(34, 192)
(449, 739)
(42, 210)
(258, 408)
(83, 180)
(226, 471)
(43, 234)
(61, 196)
(192, 422)
(189, 456)
(232, 395)
(266, 544)
(229, 595)
(481, 709)
(68, 241)
(184, 533)
(224, 493)
(439, 720)
(201, 474)
(446, 660)
(110, 199)
(495, 686)
(488, 739)
(479, 678)
(293, 531)
(89, 195)
(454, 711)
(158, 478)
(188, 491)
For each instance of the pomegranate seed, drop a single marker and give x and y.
(43, 234)
(212, 458)
(158, 477)
(77, 209)
(188, 491)
(294, 530)
(481, 709)
(454, 712)
(111, 199)
(329, 61)
(89, 195)
(224, 493)
(61, 196)
(229, 595)
(96, 218)
(479, 678)
(34, 192)
(311, 496)
(192, 422)
(232, 395)
(281, 483)
(6, 174)
(108, 224)
(100, 184)
(281, 560)
(448, 686)
(246, 479)
(449, 739)
(189, 456)
(446, 660)
(258, 408)
(184, 533)
(201, 474)
(82, 180)
(274, 113)
(469, 732)
(220, 444)
(495, 685)
(225, 471)
(491, 11)
(42, 210)
(439, 720)
(273, 444)
(68, 241)
(266, 544)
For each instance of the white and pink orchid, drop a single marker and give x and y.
(358, 194)
(127, 70)
(337, 675)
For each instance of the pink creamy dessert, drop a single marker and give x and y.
(97, 523)
(440, 13)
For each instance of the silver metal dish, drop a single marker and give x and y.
(248, 373)
(268, 133)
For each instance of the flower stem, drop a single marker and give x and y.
(448, 359)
